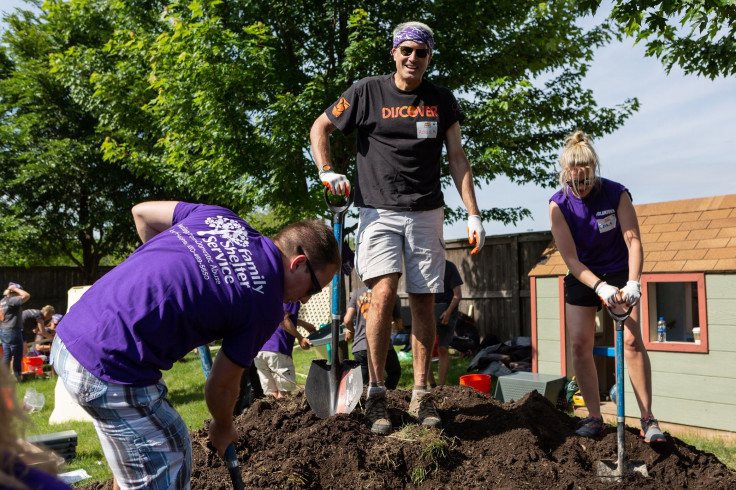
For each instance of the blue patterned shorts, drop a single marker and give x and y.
(144, 439)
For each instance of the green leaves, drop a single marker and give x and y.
(214, 101)
(697, 36)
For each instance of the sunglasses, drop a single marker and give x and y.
(316, 288)
(407, 51)
(578, 183)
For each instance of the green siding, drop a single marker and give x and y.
(548, 326)
(720, 286)
(548, 368)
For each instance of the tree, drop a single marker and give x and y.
(697, 36)
(59, 197)
(218, 97)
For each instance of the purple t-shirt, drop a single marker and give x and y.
(281, 340)
(595, 227)
(210, 276)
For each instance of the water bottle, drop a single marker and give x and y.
(661, 329)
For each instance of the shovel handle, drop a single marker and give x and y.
(337, 210)
(230, 457)
(620, 318)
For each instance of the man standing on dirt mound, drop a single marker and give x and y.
(403, 122)
(202, 274)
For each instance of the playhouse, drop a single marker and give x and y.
(689, 279)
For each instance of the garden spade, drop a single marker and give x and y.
(230, 457)
(614, 470)
(337, 387)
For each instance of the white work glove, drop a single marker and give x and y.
(338, 184)
(607, 293)
(476, 233)
(631, 293)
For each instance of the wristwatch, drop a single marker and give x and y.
(326, 168)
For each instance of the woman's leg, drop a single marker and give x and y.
(581, 329)
(637, 360)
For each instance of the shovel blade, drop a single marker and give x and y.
(333, 389)
(609, 471)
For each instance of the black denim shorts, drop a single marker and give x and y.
(578, 294)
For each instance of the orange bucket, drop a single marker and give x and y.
(480, 382)
(33, 364)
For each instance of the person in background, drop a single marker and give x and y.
(11, 327)
(403, 124)
(17, 472)
(34, 322)
(202, 274)
(45, 335)
(596, 230)
(358, 306)
(447, 320)
(274, 361)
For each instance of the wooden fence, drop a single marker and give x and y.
(46, 285)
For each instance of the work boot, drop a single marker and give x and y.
(422, 408)
(375, 411)
(650, 430)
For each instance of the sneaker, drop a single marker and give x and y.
(650, 430)
(375, 411)
(590, 426)
(422, 408)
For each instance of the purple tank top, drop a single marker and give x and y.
(595, 227)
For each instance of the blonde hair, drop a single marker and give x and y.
(578, 154)
(48, 310)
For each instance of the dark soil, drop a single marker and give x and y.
(485, 444)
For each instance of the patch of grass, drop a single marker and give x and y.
(437, 447)
(726, 453)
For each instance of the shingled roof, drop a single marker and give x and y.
(692, 235)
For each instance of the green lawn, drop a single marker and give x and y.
(186, 392)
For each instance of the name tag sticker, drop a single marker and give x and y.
(426, 129)
(607, 224)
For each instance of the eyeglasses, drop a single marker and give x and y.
(407, 51)
(578, 183)
(316, 288)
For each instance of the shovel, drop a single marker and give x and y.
(611, 471)
(231, 459)
(334, 388)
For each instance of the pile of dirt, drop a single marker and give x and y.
(485, 444)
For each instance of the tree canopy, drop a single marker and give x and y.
(698, 36)
(214, 100)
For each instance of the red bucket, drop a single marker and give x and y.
(480, 382)
(33, 364)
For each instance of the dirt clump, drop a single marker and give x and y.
(484, 444)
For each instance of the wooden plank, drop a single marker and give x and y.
(721, 338)
(721, 311)
(719, 389)
(548, 329)
(549, 367)
(547, 287)
(721, 286)
(548, 351)
(698, 413)
(722, 363)
(548, 308)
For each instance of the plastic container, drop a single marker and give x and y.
(33, 401)
(696, 335)
(480, 382)
(33, 364)
(661, 330)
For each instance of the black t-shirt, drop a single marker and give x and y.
(10, 312)
(30, 322)
(400, 140)
(452, 279)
